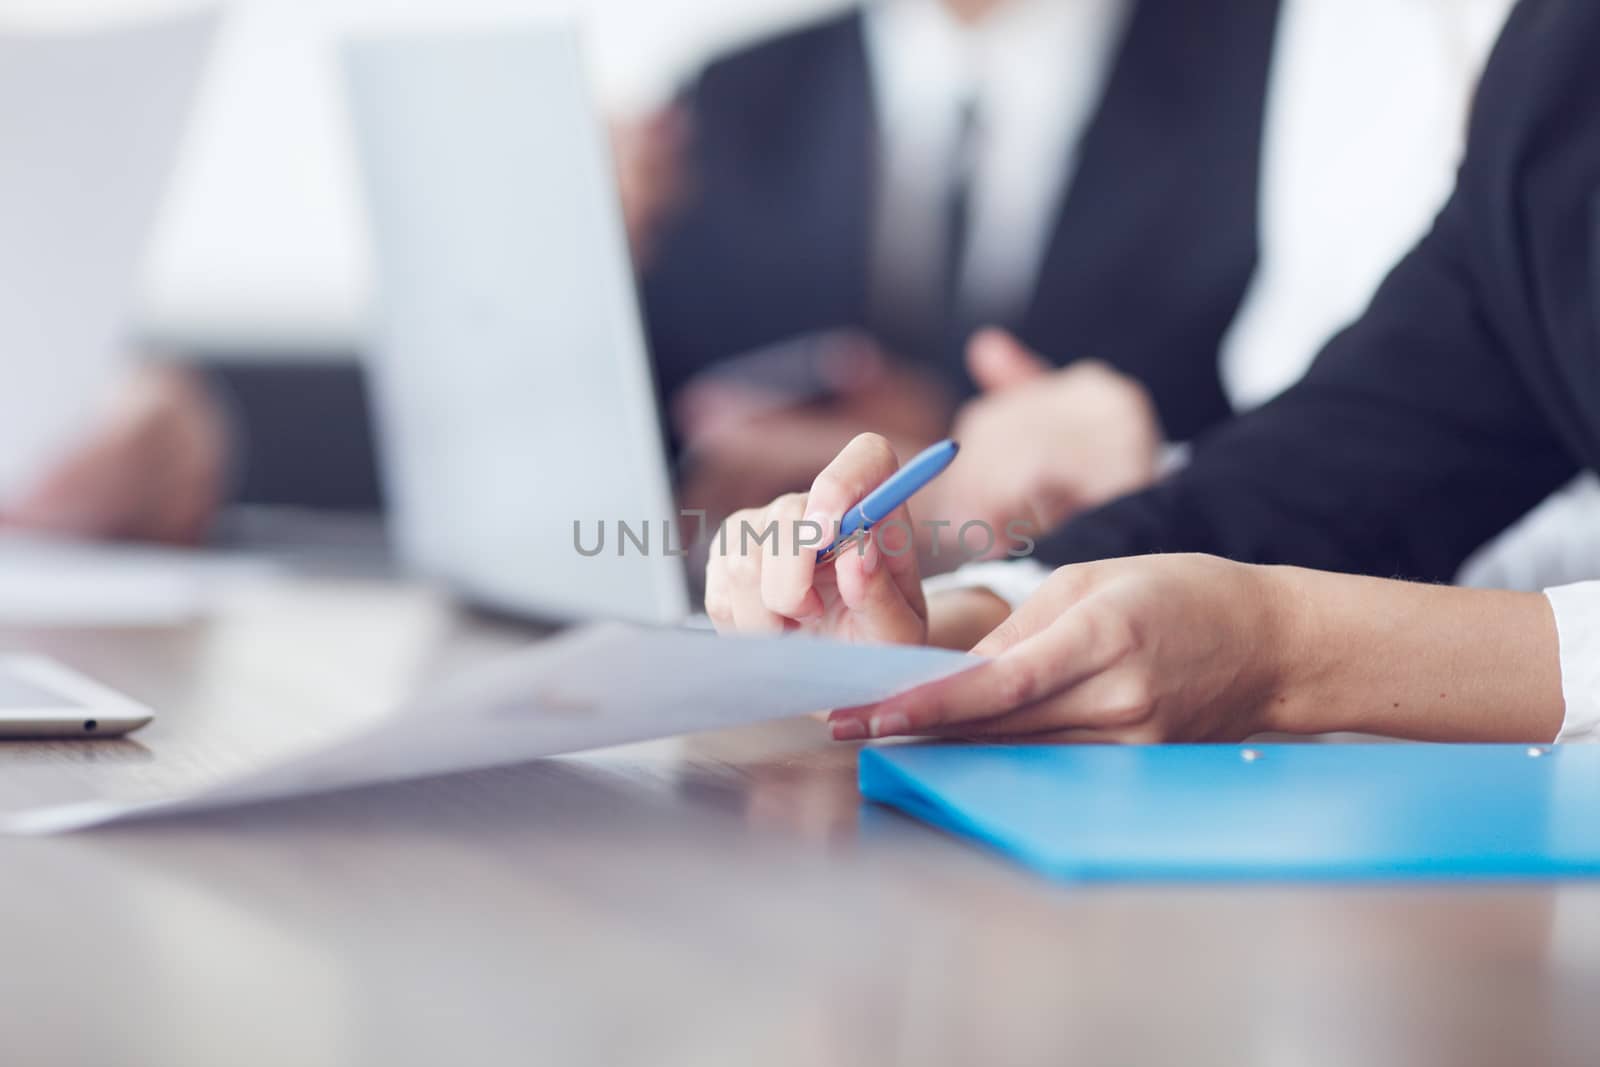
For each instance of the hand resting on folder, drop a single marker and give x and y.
(1152, 648)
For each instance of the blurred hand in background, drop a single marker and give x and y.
(1040, 443)
(152, 468)
(651, 173)
(746, 442)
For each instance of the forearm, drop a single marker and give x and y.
(1408, 660)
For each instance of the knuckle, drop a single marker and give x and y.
(780, 599)
(1070, 582)
(1089, 369)
(1118, 635)
(719, 611)
(865, 461)
(874, 447)
(828, 491)
(1018, 686)
(1130, 703)
(742, 568)
(716, 572)
(977, 416)
(1002, 637)
(725, 545)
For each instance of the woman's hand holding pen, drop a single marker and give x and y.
(872, 592)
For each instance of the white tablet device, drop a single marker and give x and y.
(41, 698)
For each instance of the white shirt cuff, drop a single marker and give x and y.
(1577, 611)
(1012, 580)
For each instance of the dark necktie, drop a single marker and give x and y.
(957, 228)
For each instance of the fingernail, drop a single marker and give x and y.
(890, 724)
(823, 520)
(869, 555)
(849, 730)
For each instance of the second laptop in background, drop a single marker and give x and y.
(514, 396)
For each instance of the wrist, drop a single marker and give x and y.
(1289, 651)
(1341, 653)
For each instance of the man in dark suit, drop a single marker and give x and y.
(1469, 390)
(1083, 175)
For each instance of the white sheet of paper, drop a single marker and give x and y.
(89, 128)
(591, 688)
(67, 583)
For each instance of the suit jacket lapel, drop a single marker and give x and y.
(833, 172)
(1155, 240)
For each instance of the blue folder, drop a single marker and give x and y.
(1326, 812)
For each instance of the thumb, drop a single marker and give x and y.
(996, 360)
(1054, 604)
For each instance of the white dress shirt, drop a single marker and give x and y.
(1577, 611)
(1366, 119)
(1034, 70)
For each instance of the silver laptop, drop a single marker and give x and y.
(515, 401)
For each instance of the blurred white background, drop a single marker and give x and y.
(261, 243)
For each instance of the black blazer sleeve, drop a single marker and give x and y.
(1415, 437)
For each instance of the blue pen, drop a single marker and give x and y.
(921, 469)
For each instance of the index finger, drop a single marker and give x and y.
(1047, 662)
(863, 465)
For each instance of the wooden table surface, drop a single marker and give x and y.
(722, 899)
